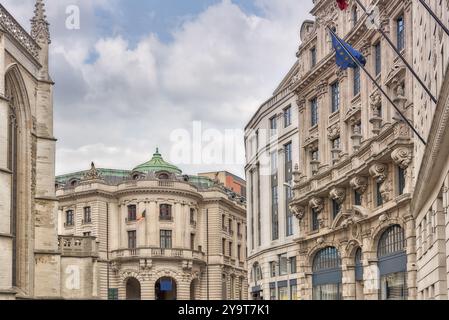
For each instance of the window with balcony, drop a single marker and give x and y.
(378, 58)
(69, 218)
(401, 180)
(313, 57)
(87, 215)
(379, 199)
(315, 222)
(356, 81)
(314, 112)
(132, 213)
(335, 92)
(400, 32)
(166, 239)
(132, 239)
(287, 117)
(165, 212)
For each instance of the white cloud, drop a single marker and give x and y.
(217, 69)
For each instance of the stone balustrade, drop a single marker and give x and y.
(71, 246)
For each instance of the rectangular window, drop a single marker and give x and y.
(274, 213)
(273, 269)
(273, 292)
(400, 32)
(293, 268)
(313, 57)
(230, 249)
(87, 215)
(315, 222)
(288, 161)
(239, 229)
(223, 222)
(274, 163)
(336, 207)
(283, 262)
(230, 226)
(132, 239)
(132, 213)
(378, 56)
(287, 117)
(192, 241)
(401, 181)
(314, 111)
(293, 292)
(87, 234)
(166, 239)
(379, 200)
(335, 91)
(239, 252)
(112, 294)
(69, 218)
(165, 212)
(273, 126)
(357, 198)
(356, 81)
(223, 246)
(192, 216)
(289, 215)
(283, 293)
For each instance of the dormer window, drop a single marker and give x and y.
(163, 176)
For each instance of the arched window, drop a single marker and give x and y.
(12, 166)
(133, 289)
(163, 176)
(393, 264)
(327, 275)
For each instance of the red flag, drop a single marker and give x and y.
(342, 4)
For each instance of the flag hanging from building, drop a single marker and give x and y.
(343, 59)
(343, 4)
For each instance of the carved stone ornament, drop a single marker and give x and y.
(379, 171)
(334, 132)
(375, 102)
(338, 194)
(322, 88)
(359, 184)
(316, 204)
(386, 190)
(402, 157)
(298, 211)
(92, 174)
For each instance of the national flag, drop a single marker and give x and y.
(342, 4)
(343, 59)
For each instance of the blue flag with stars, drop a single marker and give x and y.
(344, 60)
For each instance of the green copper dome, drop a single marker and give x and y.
(157, 164)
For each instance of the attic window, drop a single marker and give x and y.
(163, 176)
(136, 177)
(73, 183)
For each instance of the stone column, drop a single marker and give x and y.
(348, 281)
(371, 276)
(410, 236)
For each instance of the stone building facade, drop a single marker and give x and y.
(160, 234)
(358, 162)
(271, 138)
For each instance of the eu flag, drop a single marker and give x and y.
(344, 60)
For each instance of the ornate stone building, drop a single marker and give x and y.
(358, 162)
(29, 254)
(160, 234)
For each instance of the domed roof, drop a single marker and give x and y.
(157, 164)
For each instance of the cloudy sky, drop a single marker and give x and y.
(137, 74)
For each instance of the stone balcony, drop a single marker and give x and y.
(158, 253)
(71, 246)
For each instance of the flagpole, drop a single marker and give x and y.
(425, 5)
(369, 14)
(376, 84)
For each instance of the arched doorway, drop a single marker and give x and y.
(133, 289)
(194, 287)
(392, 264)
(165, 289)
(327, 275)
